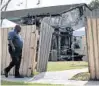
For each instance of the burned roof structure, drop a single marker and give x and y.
(61, 16)
(52, 10)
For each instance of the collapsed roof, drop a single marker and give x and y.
(59, 16)
(52, 10)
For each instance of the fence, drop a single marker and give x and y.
(92, 33)
(92, 39)
(29, 35)
(44, 46)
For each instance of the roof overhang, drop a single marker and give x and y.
(53, 10)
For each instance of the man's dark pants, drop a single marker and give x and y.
(16, 59)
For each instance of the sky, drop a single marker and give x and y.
(21, 4)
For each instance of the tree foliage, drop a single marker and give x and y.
(5, 5)
(94, 4)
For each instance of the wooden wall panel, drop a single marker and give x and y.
(23, 34)
(27, 57)
(95, 40)
(90, 49)
(4, 43)
(32, 49)
(2, 51)
(44, 46)
(98, 48)
(92, 31)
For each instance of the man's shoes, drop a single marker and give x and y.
(19, 76)
(5, 73)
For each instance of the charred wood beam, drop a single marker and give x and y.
(41, 16)
(75, 8)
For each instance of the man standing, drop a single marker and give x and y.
(15, 49)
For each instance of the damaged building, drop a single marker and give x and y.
(53, 28)
(63, 19)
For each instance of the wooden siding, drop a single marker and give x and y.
(92, 33)
(44, 46)
(29, 35)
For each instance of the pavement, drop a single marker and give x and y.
(58, 77)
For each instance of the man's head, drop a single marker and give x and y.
(18, 28)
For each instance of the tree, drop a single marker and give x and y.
(94, 4)
(4, 6)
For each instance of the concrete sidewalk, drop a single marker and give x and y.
(58, 77)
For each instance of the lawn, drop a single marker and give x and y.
(29, 84)
(66, 65)
(84, 76)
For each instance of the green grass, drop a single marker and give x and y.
(66, 65)
(84, 76)
(29, 84)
